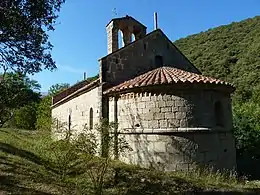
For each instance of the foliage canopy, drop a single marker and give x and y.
(24, 44)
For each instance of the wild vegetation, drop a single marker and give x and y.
(31, 162)
(232, 53)
(34, 163)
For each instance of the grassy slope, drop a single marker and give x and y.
(26, 167)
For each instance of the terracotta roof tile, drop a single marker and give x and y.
(165, 75)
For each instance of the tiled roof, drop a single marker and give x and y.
(74, 90)
(164, 75)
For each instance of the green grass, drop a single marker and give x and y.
(31, 163)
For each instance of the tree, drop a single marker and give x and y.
(25, 117)
(55, 89)
(24, 44)
(247, 129)
(229, 52)
(16, 91)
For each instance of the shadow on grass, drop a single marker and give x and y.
(7, 148)
(10, 185)
(22, 175)
(23, 172)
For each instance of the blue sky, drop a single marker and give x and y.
(80, 36)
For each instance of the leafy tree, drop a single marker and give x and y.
(15, 91)
(43, 114)
(55, 89)
(24, 44)
(247, 129)
(25, 117)
(229, 52)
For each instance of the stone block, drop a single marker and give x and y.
(158, 116)
(154, 124)
(161, 104)
(173, 123)
(150, 104)
(152, 138)
(154, 110)
(183, 123)
(147, 116)
(141, 104)
(169, 115)
(159, 147)
(146, 98)
(183, 108)
(171, 149)
(166, 109)
(145, 110)
(170, 103)
(162, 123)
(180, 115)
(174, 109)
(176, 157)
(144, 124)
(179, 103)
(154, 98)
(159, 97)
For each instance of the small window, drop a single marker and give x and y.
(158, 61)
(91, 118)
(69, 120)
(145, 46)
(57, 124)
(219, 115)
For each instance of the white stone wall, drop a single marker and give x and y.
(80, 109)
(153, 111)
(181, 151)
(174, 131)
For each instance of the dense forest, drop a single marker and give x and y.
(230, 52)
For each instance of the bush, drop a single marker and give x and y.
(43, 114)
(247, 129)
(25, 117)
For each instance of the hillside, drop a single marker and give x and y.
(230, 52)
(31, 163)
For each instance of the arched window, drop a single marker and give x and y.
(158, 60)
(132, 37)
(120, 39)
(219, 115)
(91, 118)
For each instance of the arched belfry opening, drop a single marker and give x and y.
(120, 39)
(130, 29)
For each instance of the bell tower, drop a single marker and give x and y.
(128, 26)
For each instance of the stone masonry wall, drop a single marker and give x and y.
(174, 131)
(80, 109)
(139, 57)
(152, 111)
(181, 151)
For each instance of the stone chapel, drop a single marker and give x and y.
(171, 115)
